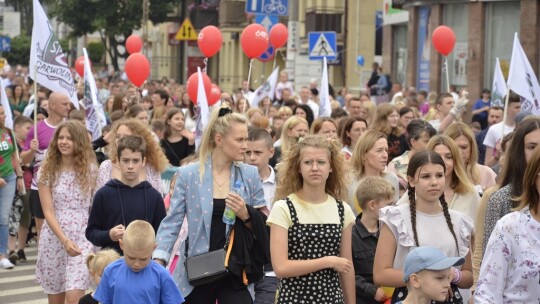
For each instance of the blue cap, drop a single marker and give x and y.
(429, 258)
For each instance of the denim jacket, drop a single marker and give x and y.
(194, 199)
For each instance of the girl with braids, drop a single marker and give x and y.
(425, 221)
(459, 190)
(66, 184)
(311, 228)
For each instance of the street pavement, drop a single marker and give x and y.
(18, 285)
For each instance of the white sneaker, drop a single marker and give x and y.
(6, 264)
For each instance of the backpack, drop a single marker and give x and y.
(389, 83)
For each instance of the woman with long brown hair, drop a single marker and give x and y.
(66, 184)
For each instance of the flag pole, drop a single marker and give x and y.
(35, 102)
(248, 80)
(505, 110)
(447, 74)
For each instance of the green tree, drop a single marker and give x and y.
(115, 20)
(20, 50)
(95, 52)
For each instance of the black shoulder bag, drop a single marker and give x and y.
(211, 266)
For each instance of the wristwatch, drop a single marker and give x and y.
(248, 220)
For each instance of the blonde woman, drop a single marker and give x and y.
(483, 177)
(369, 158)
(202, 192)
(368, 111)
(294, 128)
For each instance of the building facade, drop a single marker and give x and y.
(484, 31)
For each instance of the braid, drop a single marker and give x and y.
(412, 206)
(449, 220)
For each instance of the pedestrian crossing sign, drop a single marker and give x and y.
(186, 31)
(322, 44)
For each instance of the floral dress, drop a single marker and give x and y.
(56, 271)
(510, 271)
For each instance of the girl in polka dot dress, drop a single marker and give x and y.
(311, 227)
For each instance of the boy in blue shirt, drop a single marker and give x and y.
(136, 278)
(427, 273)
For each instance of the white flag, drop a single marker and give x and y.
(47, 57)
(7, 109)
(522, 80)
(325, 108)
(266, 89)
(95, 118)
(499, 88)
(202, 109)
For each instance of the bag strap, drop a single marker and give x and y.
(227, 246)
(230, 242)
(172, 150)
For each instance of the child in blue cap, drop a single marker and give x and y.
(427, 274)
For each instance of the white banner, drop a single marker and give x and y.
(47, 58)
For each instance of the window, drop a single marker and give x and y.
(317, 22)
(502, 22)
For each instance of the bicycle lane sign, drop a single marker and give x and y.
(268, 7)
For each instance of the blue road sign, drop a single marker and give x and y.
(268, 7)
(5, 44)
(322, 44)
(267, 55)
(266, 20)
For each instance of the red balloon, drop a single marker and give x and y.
(254, 40)
(134, 44)
(79, 66)
(443, 39)
(209, 40)
(193, 87)
(215, 95)
(137, 68)
(278, 35)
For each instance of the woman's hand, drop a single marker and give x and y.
(71, 248)
(2, 182)
(188, 135)
(237, 204)
(339, 264)
(20, 184)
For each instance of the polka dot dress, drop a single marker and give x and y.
(313, 241)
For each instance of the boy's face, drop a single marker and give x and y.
(131, 164)
(137, 259)
(21, 131)
(434, 283)
(258, 154)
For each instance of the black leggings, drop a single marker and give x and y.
(225, 291)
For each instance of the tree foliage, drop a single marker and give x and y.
(20, 50)
(95, 52)
(115, 20)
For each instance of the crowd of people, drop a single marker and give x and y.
(387, 200)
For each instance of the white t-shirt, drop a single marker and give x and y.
(495, 134)
(432, 230)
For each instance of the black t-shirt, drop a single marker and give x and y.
(217, 231)
(177, 151)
